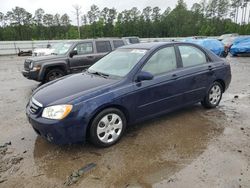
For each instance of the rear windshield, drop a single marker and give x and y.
(134, 40)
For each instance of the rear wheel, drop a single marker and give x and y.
(107, 127)
(213, 96)
(54, 74)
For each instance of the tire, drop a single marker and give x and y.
(213, 96)
(53, 74)
(107, 127)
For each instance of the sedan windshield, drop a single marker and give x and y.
(118, 63)
(61, 48)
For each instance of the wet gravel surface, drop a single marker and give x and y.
(193, 147)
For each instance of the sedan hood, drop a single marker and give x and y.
(63, 91)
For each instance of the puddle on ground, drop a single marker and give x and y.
(147, 153)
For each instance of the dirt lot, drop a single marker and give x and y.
(193, 147)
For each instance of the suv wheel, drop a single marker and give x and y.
(107, 127)
(213, 96)
(54, 74)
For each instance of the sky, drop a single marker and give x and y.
(66, 6)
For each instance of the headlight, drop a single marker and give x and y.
(36, 68)
(57, 112)
(31, 65)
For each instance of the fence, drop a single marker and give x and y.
(13, 47)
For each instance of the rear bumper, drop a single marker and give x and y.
(32, 75)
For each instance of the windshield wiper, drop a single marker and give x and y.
(99, 74)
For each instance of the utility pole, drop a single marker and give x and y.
(78, 13)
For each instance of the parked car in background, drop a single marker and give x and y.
(222, 37)
(241, 46)
(68, 57)
(131, 84)
(24, 52)
(198, 37)
(42, 51)
(214, 45)
(131, 40)
(228, 42)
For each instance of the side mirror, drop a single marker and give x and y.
(144, 76)
(72, 53)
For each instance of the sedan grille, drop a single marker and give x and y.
(34, 106)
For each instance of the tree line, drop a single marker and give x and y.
(209, 18)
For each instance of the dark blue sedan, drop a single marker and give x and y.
(131, 84)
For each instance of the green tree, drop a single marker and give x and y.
(21, 20)
(146, 13)
(1, 19)
(38, 17)
(212, 9)
(65, 23)
(156, 18)
(204, 18)
(93, 14)
(222, 9)
(104, 14)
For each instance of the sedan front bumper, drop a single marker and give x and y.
(58, 131)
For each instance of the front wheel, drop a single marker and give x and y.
(54, 74)
(107, 127)
(214, 95)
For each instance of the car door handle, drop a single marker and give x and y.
(90, 57)
(174, 76)
(210, 67)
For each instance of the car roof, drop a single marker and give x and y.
(155, 45)
(98, 39)
(147, 45)
(152, 45)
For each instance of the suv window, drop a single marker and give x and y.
(118, 43)
(192, 56)
(84, 48)
(161, 62)
(103, 46)
(134, 40)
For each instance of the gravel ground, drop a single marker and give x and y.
(193, 147)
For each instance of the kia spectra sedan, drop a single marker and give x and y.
(131, 84)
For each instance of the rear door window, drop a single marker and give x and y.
(192, 56)
(118, 43)
(134, 40)
(103, 46)
(84, 48)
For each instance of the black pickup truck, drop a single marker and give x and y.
(69, 57)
